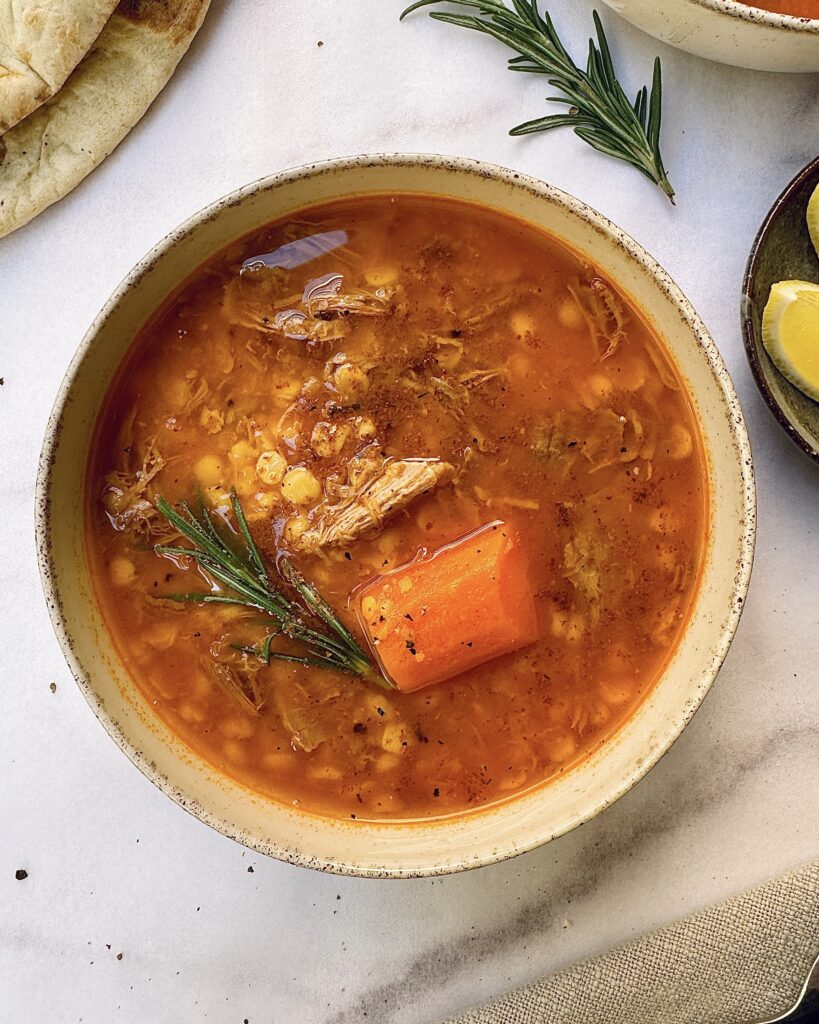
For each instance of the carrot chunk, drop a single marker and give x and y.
(449, 610)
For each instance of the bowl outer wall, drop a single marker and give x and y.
(399, 849)
(728, 32)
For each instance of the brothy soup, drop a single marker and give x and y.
(396, 508)
(797, 8)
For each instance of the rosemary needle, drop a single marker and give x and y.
(599, 111)
(245, 577)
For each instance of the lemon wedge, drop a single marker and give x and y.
(790, 333)
(813, 219)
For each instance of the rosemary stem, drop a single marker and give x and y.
(599, 110)
(245, 577)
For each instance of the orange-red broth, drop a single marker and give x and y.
(595, 459)
(796, 8)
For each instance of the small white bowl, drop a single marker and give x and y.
(500, 831)
(728, 32)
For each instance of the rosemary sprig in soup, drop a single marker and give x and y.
(247, 580)
(599, 110)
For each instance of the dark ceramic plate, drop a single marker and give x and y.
(782, 252)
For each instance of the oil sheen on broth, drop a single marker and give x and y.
(310, 364)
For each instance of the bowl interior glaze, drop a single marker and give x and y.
(430, 847)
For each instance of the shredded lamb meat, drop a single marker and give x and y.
(377, 498)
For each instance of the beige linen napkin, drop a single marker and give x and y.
(742, 960)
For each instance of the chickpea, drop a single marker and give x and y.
(211, 420)
(569, 315)
(300, 487)
(665, 622)
(394, 739)
(562, 747)
(234, 751)
(365, 428)
(664, 520)
(175, 391)
(386, 762)
(295, 527)
(384, 705)
(271, 467)
(291, 436)
(326, 773)
(351, 382)
(209, 471)
(286, 392)
(277, 761)
(522, 324)
(560, 623)
(616, 692)
(513, 781)
(246, 482)
(576, 627)
(237, 728)
(189, 712)
(378, 277)
(680, 443)
(600, 387)
(242, 451)
(161, 636)
(631, 374)
(265, 500)
(218, 497)
(122, 571)
(519, 364)
(450, 356)
(667, 557)
(599, 715)
(328, 439)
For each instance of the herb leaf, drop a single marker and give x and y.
(246, 577)
(599, 110)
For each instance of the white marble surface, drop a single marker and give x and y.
(113, 866)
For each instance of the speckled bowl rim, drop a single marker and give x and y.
(757, 16)
(748, 333)
(721, 642)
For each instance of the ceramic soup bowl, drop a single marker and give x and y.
(728, 32)
(418, 848)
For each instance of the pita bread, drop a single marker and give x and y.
(53, 149)
(41, 42)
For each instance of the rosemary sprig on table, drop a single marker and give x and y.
(245, 576)
(599, 110)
